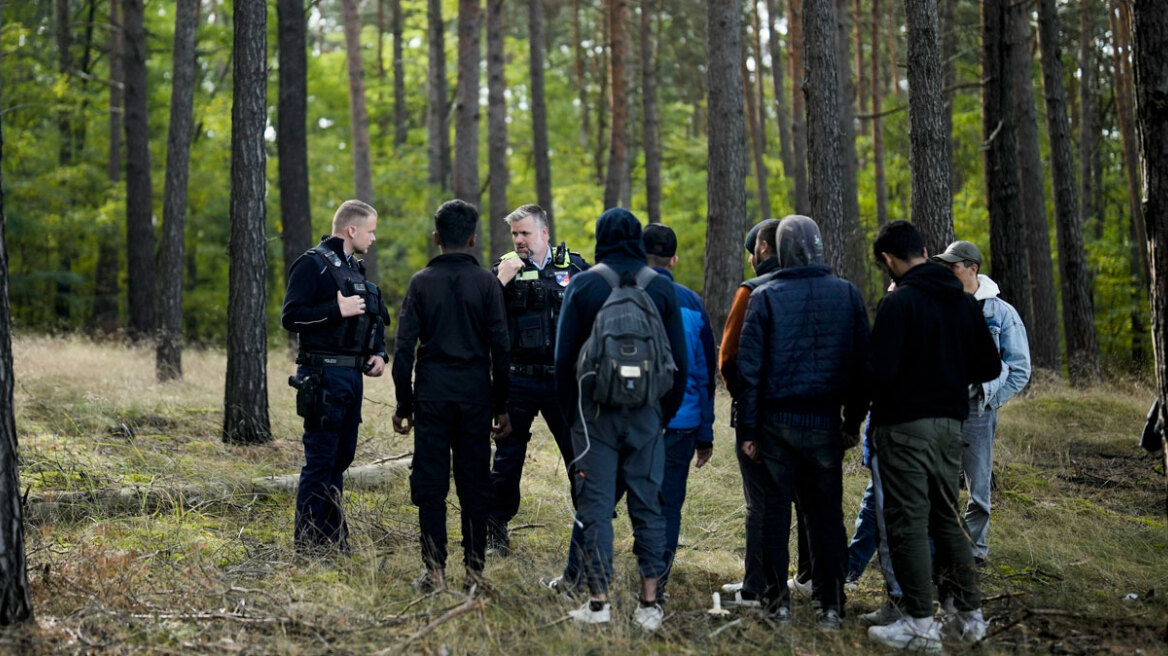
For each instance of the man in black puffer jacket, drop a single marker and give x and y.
(802, 358)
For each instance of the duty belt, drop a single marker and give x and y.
(543, 370)
(343, 361)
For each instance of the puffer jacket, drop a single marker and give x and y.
(1010, 338)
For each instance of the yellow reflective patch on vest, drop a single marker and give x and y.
(529, 274)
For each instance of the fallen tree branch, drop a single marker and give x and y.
(213, 616)
(470, 605)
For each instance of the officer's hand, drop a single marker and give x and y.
(502, 426)
(851, 440)
(402, 425)
(750, 450)
(509, 268)
(377, 368)
(351, 306)
(703, 456)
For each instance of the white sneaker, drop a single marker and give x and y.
(731, 588)
(798, 589)
(742, 602)
(906, 633)
(589, 614)
(649, 618)
(883, 616)
(967, 625)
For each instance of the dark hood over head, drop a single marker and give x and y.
(618, 233)
(933, 279)
(798, 242)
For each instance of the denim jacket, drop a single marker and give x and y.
(1010, 337)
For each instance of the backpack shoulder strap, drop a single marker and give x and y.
(335, 265)
(645, 276)
(608, 274)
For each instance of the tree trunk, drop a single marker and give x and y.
(1089, 115)
(949, 62)
(359, 120)
(600, 70)
(861, 70)
(618, 144)
(245, 412)
(436, 110)
(580, 76)
(1149, 43)
(168, 357)
(15, 599)
(400, 124)
(759, 76)
(798, 107)
(855, 255)
(539, 130)
(143, 277)
(466, 108)
(1007, 250)
(1078, 312)
(893, 42)
(932, 202)
(116, 111)
(651, 125)
(780, 85)
(291, 133)
(1044, 330)
(753, 122)
(877, 120)
(64, 64)
(726, 179)
(825, 165)
(497, 130)
(1121, 33)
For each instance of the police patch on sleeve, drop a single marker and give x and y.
(562, 278)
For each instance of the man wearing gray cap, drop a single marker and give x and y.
(964, 259)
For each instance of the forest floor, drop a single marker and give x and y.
(1078, 561)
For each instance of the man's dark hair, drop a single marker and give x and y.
(767, 234)
(455, 222)
(900, 240)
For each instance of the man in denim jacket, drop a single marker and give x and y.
(964, 260)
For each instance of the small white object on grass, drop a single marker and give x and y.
(717, 609)
(1131, 596)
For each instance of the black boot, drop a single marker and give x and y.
(498, 542)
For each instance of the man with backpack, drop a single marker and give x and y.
(620, 377)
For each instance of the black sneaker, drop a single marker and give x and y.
(781, 616)
(498, 541)
(830, 620)
(429, 581)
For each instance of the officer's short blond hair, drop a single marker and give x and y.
(352, 212)
(525, 211)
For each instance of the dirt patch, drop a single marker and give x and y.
(1127, 483)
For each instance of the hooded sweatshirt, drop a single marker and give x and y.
(618, 244)
(929, 343)
(1010, 337)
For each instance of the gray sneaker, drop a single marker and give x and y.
(799, 589)
(781, 616)
(906, 634)
(649, 618)
(830, 620)
(883, 616)
(965, 625)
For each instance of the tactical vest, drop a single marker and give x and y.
(534, 298)
(351, 335)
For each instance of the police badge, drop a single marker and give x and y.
(562, 278)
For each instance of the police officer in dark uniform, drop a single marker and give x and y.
(341, 321)
(535, 277)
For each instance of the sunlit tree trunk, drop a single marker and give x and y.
(539, 130)
(580, 76)
(140, 243)
(245, 412)
(497, 131)
(436, 109)
(618, 143)
(359, 120)
(651, 123)
(798, 107)
(825, 166)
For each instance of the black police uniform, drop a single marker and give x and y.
(333, 353)
(533, 299)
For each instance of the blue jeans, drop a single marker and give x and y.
(977, 460)
(863, 544)
(679, 452)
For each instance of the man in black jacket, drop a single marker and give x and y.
(611, 443)
(340, 320)
(453, 312)
(929, 343)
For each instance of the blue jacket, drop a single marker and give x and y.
(803, 352)
(618, 244)
(697, 408)
(1010, 337)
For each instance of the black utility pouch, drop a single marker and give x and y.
(308, 394)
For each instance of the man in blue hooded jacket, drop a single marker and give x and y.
(617, 444)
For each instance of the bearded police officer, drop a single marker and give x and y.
(341, 321)
(535, 277)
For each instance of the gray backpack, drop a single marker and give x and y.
(626, 362)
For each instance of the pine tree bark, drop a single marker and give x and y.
(618, 142)
(948, 26)
(359, 120)
(291, 131)
(600, 70)
(877, 81)
(1007, 251)
(651, 121)
(437, 125)
(726, 179)
(893, 42)
(580, 75)
(753, 124)
(117, 83)
(245, 411)
(861, 70)
(15, 598)
(543, 166)
(932, 202)
(1089, 115)
(168, 354)
(1149, 43)
(400, 119)
(778, 75)
(1121, 33)
(1078, 312)
(466, 108)
(798, 107)
(140, 243)
(759, 75)
(855, 253)
(1044, 330)
(497, 131)
(825, 165)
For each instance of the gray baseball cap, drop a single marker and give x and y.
(960, 251)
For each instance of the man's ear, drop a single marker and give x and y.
(472, 241)
(926, 251)
(672, 261)
(437, 239)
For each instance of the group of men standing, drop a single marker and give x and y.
(482, 353)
